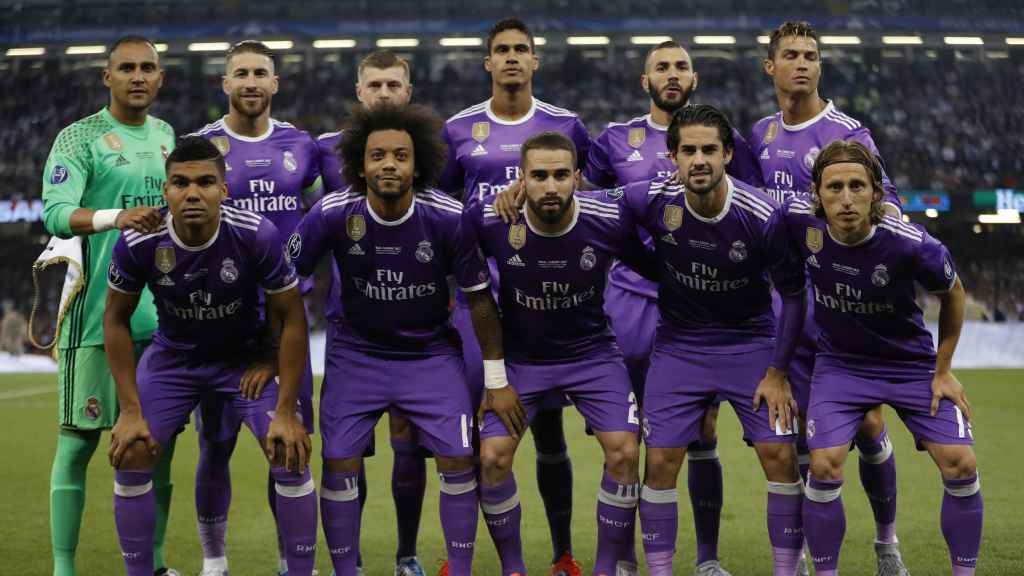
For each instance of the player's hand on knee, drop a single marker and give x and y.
(142, 219)
(508, 202)
(775, 391)
(130, 428)
(287, 442)
(945, 385)
(505, 403)
(255, 378)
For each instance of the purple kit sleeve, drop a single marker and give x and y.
(273, 262)
(744, 165)
(124, 273)
(934, 266)
(598, 170)
(791, 326)
(581, 138)
(452, 179)
(309, 241)
(471, 272)
(632, 251)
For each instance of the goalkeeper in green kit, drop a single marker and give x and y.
(105, 172)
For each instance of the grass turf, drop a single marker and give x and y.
(29, 437)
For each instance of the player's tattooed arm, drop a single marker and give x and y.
(951, 320)
(130, 427)
(499, 396)
(287, 442)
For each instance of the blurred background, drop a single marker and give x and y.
(937, 82)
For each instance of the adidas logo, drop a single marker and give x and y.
(669, 239)
(355, 250)
(122, 161)
(479, 150)
(764, 155)
(165, 280)
(635, 157)
(812, 261)
(515, 260)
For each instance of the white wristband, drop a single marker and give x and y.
(494, 374)
(103, 220)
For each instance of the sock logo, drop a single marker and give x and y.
(614, 523)
(497, 522)
(340, 551)
(460, 545)
(651, 536)
(305, 548)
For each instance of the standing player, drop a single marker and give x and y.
(483, 158)
(874, 348)
(383, 78)
(208, 267)
(395, 243)
(553, 264)
(104, 172)
(631, 152)
(272, 168)
(718, 241)
(786, 144)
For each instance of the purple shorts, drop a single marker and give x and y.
(431, 392)
(633, 318)
(172, 383)
(839, 401)
(681, 385)
(599, 387)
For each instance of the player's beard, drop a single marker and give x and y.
(713, 180)
(389, 195)
(245, 110)
(667, 106)
(549, 216)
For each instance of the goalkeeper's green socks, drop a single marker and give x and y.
(67, 495)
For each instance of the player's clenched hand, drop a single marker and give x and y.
(142, 219)
(130, 427)
(288, 443)
(506, 404)
(508, 202)
(774, 390)
(255, 378)
(945, 385)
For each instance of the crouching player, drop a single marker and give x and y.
(395, 243)
(205, 266)
(553, 263)
(874, 348)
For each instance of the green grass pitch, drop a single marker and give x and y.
(27, 444)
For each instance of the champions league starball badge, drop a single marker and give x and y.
(293, 247)
(588, 259)
(228, 272)
(424, 252)
(59, 175)
(880, 277)
(114, 276)
(738, 251)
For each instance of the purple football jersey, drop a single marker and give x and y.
(269, 174)
(330, 162)
(714, 292)
(864, 294)
(394, 291)
(483, 150)
(786, 153)
(637, 150)
(207, 297)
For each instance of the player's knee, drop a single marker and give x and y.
(495, 460)
(137, 457)
(662, 468)
(622, 458)
(872, 425)
(958, 463)
(824, 468)
(453, 463)
(778, 461)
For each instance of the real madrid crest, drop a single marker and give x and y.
(771, 133)
(588, 259)
(222, 143)
(672, 217)
(637, 137)
(164, 259)
(880, 276)
(113, 141)
(424, 252)
(738, 251)
(289, 161)
(355, 227)
(815, 239)
(228, 271)
(481, 131)
(811, 156)
(517, 236)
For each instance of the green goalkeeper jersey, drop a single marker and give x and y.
(100, 163)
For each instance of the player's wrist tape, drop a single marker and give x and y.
(494, 374)
(103, 220)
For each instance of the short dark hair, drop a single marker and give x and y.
(195, 148)
(699, 115)
(547, 141)
(842, 151)
(382, 59)
(249, 47)
(422, 125)
(511, 23)
(132, 39)
(661, 46)
(790, 28)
